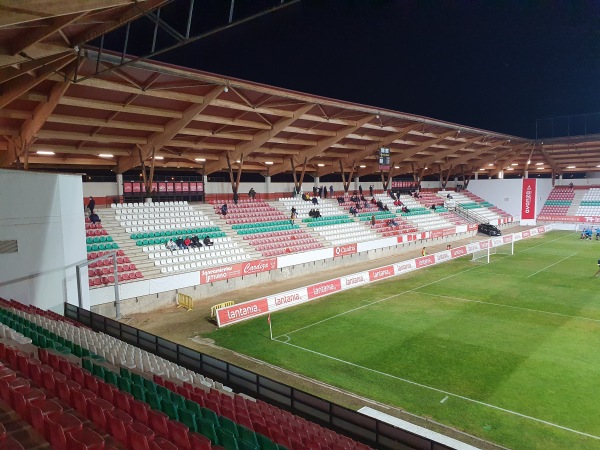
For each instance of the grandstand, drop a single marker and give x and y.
(167, 142)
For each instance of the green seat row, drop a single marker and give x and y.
(107, 246)
(313, 219)
(558, 202)
(414, 213)
(272, 223)
(98, 239)
(175, 232)
(440, 209)
(486, 204)
(590, 203)
(268, 229)
(164, 240)
(378, 216)
(329, 221)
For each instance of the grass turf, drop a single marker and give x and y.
(512, 344)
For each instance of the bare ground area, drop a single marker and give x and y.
(192, 329)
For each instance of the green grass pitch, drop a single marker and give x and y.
(514, 345)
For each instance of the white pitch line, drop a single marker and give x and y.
(510, 306)
(444, 399)
(410, 290)
(449, 394)
(551, 265)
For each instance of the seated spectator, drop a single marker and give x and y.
(293, 216)
(306, 197)
(294, 211)
(171, 245)
(380, 205)
(448, 196)
(353, 211)
(392, 223)
(252, 193)
(373, 201)
(196, 241)
(340, 200)
(207, 241)
(354, 199)
(366, 205)
(357, 206)
(433, 207)
(385, 208)
(179, 242)
(397, 203)
(187, 242)
(317, 214)
(392, 195)
(94, 218)
(315, 201)
(373, 220)
(224, 209)
(362, 198)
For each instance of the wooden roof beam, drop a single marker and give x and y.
(419, 148)
(555, 167)
(29, 38)
(443, 154)
(322, 145)
(261, 138)
(508, 161)
(157, 140)
(8, 73)
(25, 83)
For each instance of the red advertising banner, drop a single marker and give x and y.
(193, 186)
(162, 187)
(343, 250)
(528, 198)
(243, 311)
(178, 187)
(381, 272)
(472, 227)
(584, 219)
(185, 187)
(458, 251)
(170, 187)
(155, 186)
(127, 187)
(318, 290)
(237, 270)
(137, 187)
(200, 187)
(525, 233)
(424, 261)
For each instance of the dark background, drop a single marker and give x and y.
(496, 65)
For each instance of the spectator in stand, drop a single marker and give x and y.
(433, 207)
(353, 211)
(293, 216)
(171, 245)
(373, 201)
(179, 242)
(360, 189)
(331, 190)
(392, 223)
(373, 220)
(571, 185)
(357, 205)
(315, 201)
(207, 241)
(317, 214)
(94, 218)
(306, 197)
(340, 200)
(91, 204)
(448, 196)
(366, 204)
(379, 205)
(187, 242)
(196, 242)
(362, 198)
(294, 211)
(235, 198)
(315, 190)
(320, 191)
(371, 191)
(224, 209)
(397, 203)
(385, 208)
(252, 194)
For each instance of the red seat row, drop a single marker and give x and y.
(109, 279)
(94, 255)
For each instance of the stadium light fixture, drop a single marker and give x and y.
(539, 164)
(45, 152)
(571, 167)
(540, 168)
(362, 167)
(158, 158)
(321, 165)
(397, 167)
(491, 164)
(199, 159)
(269, 163)
(514, 164)
(105, 155)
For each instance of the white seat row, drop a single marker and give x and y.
(202, 264)
(147, 205)
(204, 249)
(174, 226)
(199, 257)
(161, 247)
(119, 353)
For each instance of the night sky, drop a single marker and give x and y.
(496, 65)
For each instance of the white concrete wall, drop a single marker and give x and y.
(43, 213)
(505, 194)
(100, 189)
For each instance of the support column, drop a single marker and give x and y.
(317, 181)
(501, 175)
(526, 174)
(477, 175)
(356, 183)
(119, 184)
(268, 185)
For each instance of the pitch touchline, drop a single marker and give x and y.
(509, 306)
(547, 267)
(408, 290)
(442, 391)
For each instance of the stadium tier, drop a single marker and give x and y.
(80, 389)
(572, 204)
